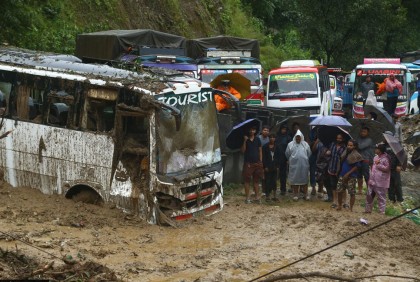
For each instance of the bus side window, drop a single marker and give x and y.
(99, 115)
(99, 110)
(5, 89)
(60, 105)
(58, 113)
(22, 101)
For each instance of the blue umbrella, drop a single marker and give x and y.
(330, 120)
(416, 62)
(235, 137)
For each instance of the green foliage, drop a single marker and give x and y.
(340, 32)
(177, 14)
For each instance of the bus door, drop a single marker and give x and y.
(131, 157)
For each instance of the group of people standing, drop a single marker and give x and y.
(340, 167)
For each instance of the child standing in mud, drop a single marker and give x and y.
(270, 156)
(379, 180)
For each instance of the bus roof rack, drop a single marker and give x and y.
(300, 63)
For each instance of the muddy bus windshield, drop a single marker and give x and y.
(294, 85)
(196, 143)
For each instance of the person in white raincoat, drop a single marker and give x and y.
(297, 153)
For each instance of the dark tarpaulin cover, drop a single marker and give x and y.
(110, 44)
(196, 48)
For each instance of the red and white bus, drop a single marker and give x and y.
(300, 84)
(379, 69)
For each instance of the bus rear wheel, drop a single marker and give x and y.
(84, 194)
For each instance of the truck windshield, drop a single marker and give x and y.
(293, 85)
(209, 75)
(252, 74)
(196, 143)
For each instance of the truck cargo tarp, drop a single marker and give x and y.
(110, 44)
(196, 48)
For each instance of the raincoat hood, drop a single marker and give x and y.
(300, 134)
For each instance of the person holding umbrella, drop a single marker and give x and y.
(321, 162)
(253, 167)
(366, 149)
(221, 104)
(297, 153)
(395, 190)
(282, 140)
(331, 176)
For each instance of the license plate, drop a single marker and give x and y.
(198, 213)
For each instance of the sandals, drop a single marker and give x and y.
(346, 206)
(247, 201)
(334, 206)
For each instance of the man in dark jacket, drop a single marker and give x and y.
(253, 167)
(282, 140)
(395, 189)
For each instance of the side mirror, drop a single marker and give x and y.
(265, 81)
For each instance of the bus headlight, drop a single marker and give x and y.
(314, 111)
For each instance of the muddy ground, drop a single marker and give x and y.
(238, 244)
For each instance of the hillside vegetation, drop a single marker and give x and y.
(53, 25)
(340, 33)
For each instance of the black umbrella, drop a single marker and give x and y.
(327, 134)
(235, 137)
(397, 148)
(375, 128)
(381, 116)
(303, 122)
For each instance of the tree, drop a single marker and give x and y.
(338, 30)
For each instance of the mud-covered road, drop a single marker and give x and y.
(238, 244)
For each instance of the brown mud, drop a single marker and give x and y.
(244, 241)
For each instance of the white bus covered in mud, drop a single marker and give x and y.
(148, 143)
